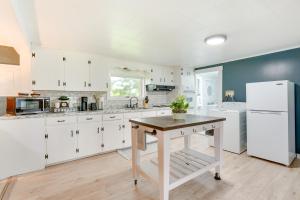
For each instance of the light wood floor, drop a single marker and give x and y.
(108, 177)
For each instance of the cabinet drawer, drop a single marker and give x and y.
(149, 114)
(132, 115)
(112, 117)
(163, 112)
(55, 121)
(89, 118)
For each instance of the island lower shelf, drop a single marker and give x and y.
(185, 165)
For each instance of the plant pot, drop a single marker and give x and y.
(179, 115)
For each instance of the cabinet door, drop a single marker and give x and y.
(22, 146)
(127, 127)
(112, 135)
(77, 72)
(47, 70)
(61, 143)
(88, 139)
(99, 75)
(169, 76)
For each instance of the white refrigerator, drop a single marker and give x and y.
(271, 121)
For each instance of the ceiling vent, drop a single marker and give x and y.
(9, 56)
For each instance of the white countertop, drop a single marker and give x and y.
(97, 112)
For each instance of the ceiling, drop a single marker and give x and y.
(164, 32)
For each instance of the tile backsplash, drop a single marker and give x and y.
(155, 98)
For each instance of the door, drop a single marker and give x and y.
(99, 75)
(272, 96)
(112, 135)
(267, 135)
(127, 127)
(61, 143)
(77, 72)
(47, 69)
(89, 138)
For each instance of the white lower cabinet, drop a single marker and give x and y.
(89, 135)
(22, 147)
(112, 132)
(127, 127)
(60, 139)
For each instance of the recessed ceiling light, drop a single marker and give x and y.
(215, 39)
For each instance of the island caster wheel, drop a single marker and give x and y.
(217, 176)
(135, 182)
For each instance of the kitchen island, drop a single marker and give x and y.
(171, 170)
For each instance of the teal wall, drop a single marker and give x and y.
(283, 65)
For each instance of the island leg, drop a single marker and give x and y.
(218, 139)
(135, 153)
(164, 164)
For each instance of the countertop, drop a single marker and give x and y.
(166, 123)
(78, 113)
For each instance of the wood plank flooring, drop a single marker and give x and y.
(108, 177)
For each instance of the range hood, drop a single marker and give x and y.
(9, 56)
(153, 88)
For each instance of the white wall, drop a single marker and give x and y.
(13, 78)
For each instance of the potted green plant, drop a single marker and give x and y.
(179, 107)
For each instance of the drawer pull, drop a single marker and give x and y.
(89, 118)
(213, 126)
(112, 117)
(181, 132)
(72, 133)
(61, 121)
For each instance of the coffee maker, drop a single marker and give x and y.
(84, 104)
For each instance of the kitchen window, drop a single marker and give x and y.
(125, 87)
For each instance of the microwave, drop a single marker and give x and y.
(27, 105)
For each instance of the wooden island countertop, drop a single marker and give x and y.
(166, 123)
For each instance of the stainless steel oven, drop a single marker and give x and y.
(27, 105)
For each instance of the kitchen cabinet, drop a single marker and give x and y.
(163, 112)
(98, 75)
(48, 70)
(58, 70)
(187, 79)
(22, 146)
(60, 139)
(161, 76)
(89, 135)
(127, 127)
(77, 72)
(112, 131)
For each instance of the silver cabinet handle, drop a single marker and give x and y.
(89, 118)
(213, 126)
(72, 133)
(58, 82)
(181, 132)
(112, 117)
(61, 121)
(84, 83)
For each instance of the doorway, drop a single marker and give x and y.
(208, 88)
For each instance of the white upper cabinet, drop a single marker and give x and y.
(47, 70)
(71, 71)
(98, 75)
(161, 75)
(187, 79)
(77, 72)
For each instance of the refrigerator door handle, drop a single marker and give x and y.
(266, 112)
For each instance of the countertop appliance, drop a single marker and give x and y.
(84, 104)
(27, 105)
(154, 87)
(271, 121)
(234, 131)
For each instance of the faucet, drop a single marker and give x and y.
(133, 105)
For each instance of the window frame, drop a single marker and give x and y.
(118, 98)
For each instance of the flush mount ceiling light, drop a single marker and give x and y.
(215, 39)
